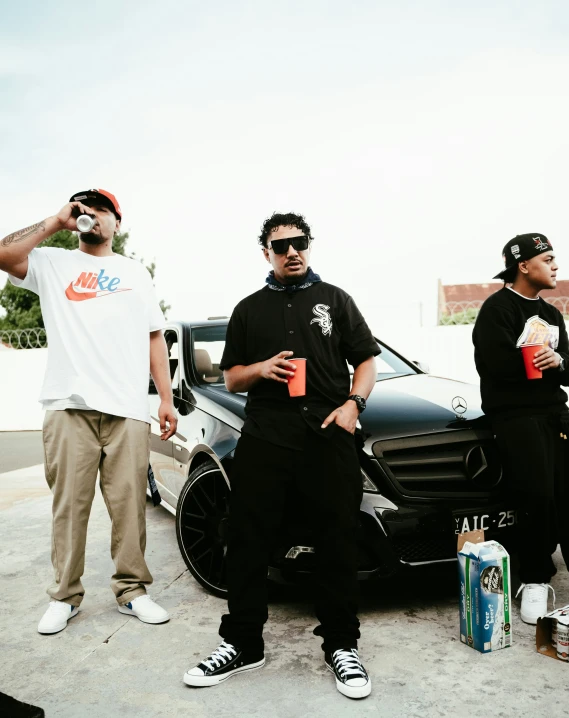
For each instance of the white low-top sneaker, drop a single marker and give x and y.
(534, 601)
(144, 608)
(352, 679)
(56, 617)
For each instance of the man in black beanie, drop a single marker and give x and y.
(529, 417)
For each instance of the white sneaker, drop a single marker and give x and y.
(56, 617)
(144, 608)
(534, 601)
(352, 679)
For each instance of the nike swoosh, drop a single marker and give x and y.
(74, 296)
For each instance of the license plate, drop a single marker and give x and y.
(485, 522)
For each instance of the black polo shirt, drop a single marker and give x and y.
(321, 323)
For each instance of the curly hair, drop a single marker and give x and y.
(283, 220)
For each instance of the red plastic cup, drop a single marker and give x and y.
(297, 383)
(528, 352)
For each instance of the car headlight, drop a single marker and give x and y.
(368, 484)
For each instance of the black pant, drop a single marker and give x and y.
(325, 473)
(535, 458)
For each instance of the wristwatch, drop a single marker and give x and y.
(561, 363)
(360, 402)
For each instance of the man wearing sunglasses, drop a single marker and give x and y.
(301, 444)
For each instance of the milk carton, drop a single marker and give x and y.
(484, 578)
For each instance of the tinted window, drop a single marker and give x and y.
(207, 350)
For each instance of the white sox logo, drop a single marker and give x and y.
(323, 318)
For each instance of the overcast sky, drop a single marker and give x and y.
(417, 137)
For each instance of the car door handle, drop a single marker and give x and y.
(180, 436)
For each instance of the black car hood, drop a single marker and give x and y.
(420, 404)
(402, 406)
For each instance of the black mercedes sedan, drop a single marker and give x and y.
(430, 468)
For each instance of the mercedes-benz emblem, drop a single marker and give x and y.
(459, 405)
(476, 463)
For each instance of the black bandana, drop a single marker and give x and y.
(307, 281)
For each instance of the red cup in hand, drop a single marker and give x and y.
(297, 383)
(528, 352)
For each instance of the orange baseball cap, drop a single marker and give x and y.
(102, 195)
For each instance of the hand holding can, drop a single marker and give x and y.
(84, 222)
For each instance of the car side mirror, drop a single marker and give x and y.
(423, 366)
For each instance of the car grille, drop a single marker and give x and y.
(464, 462)
(413, 549)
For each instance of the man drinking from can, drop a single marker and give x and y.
(104, 328)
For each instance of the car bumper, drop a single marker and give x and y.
(393, 537)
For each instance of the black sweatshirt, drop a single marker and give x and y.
(507, 320)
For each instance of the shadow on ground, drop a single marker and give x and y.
(107, 664)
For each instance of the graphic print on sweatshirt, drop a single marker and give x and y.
(538, 331)
(90, 285)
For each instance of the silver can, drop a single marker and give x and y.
(553, 632)
(562, 642)
(85, 223)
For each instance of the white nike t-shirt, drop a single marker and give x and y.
(98, 314)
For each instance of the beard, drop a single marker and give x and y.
(92, 239)
(295, 278)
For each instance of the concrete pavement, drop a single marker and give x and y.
(106, 664)
(19, 449)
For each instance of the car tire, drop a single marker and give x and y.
(201, 526)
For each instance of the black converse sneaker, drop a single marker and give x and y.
(224, 662)
(351, 677)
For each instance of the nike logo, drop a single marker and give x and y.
(103, 285)
(74, 296)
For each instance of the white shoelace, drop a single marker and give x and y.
(535, 592)
(224, 653)
(348, 663)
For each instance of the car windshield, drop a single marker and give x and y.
(391, 365)
(208, 343)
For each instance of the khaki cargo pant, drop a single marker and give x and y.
(77, 445)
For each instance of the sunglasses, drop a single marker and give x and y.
(280, 246)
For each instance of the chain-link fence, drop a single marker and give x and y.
(35, 338)
(562, 303)
(466, 312)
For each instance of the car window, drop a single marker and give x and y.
(207, 350)
(171, 338)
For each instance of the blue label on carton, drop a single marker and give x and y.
(484, 577)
